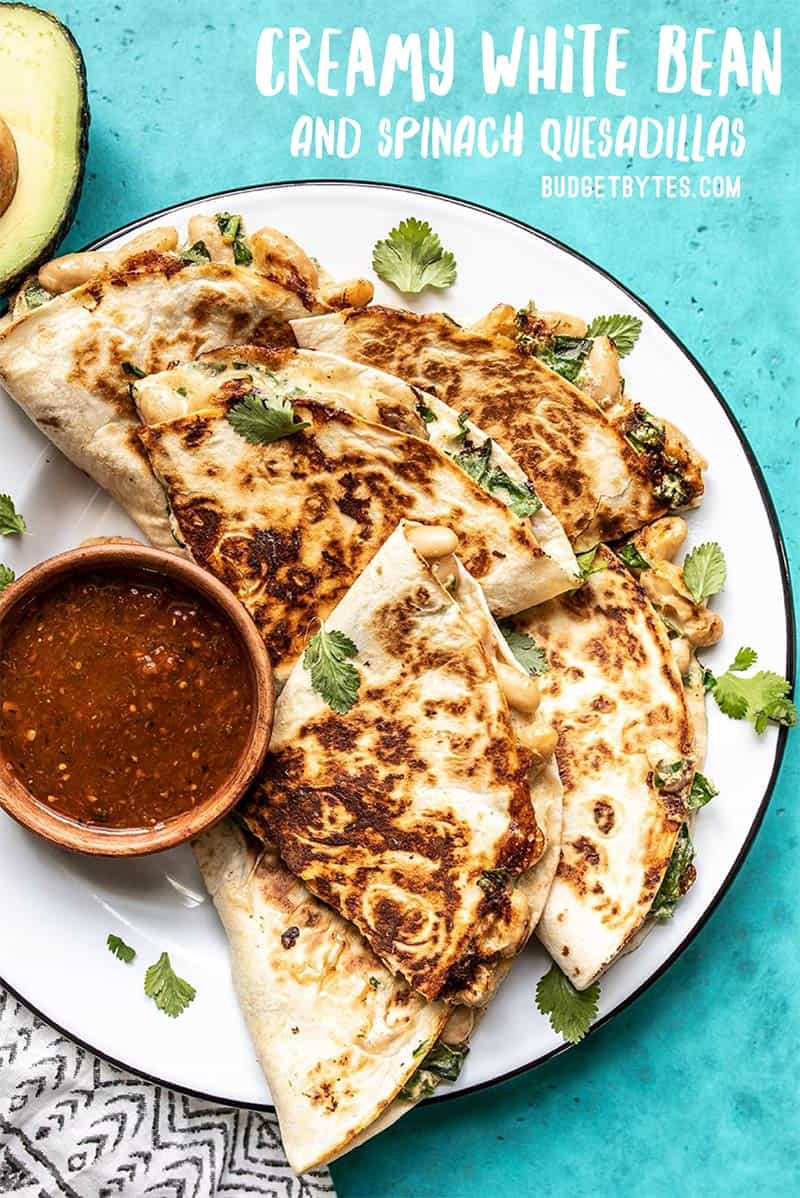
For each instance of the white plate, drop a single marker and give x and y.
(58, 908)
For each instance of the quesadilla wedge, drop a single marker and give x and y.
(336, 1033)
(68, 359)
(600, 477)
(383, 399)
(626, 756)
(346, 1045)
(397, 786)
(289, 524)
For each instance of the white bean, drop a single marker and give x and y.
(600, 376)
(160, 241)
(71, 270)
(520, 690)
(432, 541)
(353, 293)
(276, 254)
(543, 740)
(561, 324)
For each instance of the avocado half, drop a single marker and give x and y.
(44, 107)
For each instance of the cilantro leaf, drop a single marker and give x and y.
(170, 993)
(571, 1011)
(744, 659)
(678, 877)
(632, 558)
(10, 520)
(586, 564)
(134, 371)
(7, 576)
(708, 679)
(332, 676)
(761, 698)
(411, 258)
(261, 419)
(702, 792)
(705, 571)
(623, 330)
(120, 949)
(530, 656)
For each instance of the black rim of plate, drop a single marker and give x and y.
(780, 549)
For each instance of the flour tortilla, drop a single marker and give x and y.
(372, 394)
(578, 458)
(290, 525)
(616, 697)
(63, 362)
(335, 1031)
(411, 813)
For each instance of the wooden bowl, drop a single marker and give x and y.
(123, 842)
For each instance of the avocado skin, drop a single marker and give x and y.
(9, 285)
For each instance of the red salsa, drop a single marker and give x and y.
(125, 698)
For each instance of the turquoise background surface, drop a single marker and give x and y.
(694, 1087)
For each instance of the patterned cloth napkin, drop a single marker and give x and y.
(73, 1126)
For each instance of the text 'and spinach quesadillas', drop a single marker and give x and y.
(286, 497)
(600, 477)
(68, 359)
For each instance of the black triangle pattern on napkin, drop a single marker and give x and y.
(73, 1126)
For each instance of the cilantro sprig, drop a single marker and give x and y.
(705, 571)
(262, 419)
(333, 676)
(762, 698)
(7, 576)
(412, 258)
(171, 994)
(622, 330)
(120, 949)
(530, 656)
(571, 1011)
(11, 522)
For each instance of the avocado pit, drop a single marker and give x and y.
(9, 166)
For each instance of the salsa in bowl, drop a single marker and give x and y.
(135, 699)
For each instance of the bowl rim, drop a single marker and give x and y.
(29, 811)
